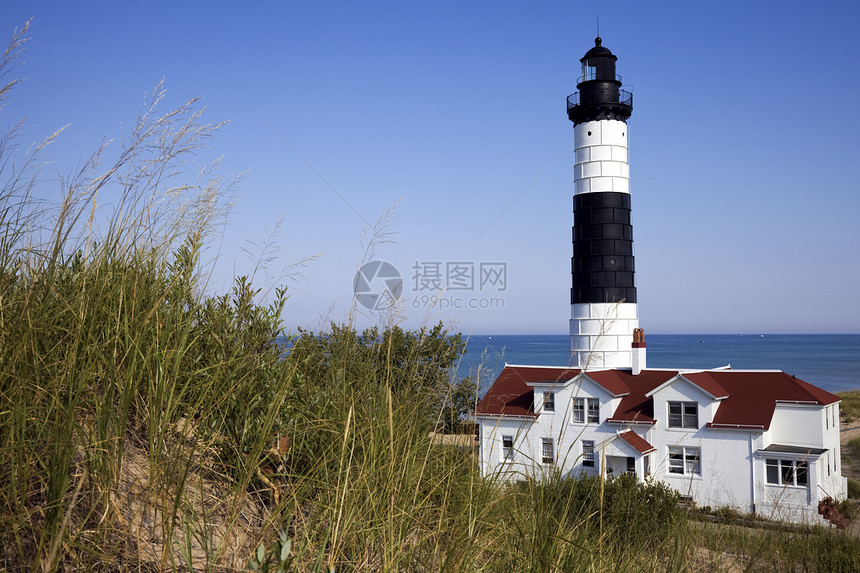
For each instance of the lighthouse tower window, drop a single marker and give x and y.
(589, 71)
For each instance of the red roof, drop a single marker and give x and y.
(753, 396)
(748, 397)
(614, 381)
(635, 406)
(511, 396)
(637, 441)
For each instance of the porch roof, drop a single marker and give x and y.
(637, 442)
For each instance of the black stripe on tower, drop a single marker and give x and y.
(602, 264)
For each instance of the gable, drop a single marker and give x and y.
(587, 386)
(692, 387)
(511, 395)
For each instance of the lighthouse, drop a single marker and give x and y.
(540, 421)
(603, 295)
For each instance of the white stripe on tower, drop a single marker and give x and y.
(603, 293)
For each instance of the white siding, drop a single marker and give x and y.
(798, 425)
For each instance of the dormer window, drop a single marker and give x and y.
(684, 415)
(586, 409)
(549, 401)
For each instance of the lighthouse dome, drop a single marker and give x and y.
(598, 51)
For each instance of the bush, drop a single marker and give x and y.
(854, 446)
(853, 488)
(622, 517)
(849, 409)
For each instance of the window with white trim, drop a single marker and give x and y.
(547, 451)
(588, 453)
(684, 415)
(593, 410)
(685, 460)
(549, 401)
(586, 409)
(786, 472)
(507, 447)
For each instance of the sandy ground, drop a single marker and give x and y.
(850, 467)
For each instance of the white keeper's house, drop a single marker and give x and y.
(759, 441)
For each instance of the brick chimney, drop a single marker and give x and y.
(638, 361)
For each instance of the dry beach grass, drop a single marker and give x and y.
(142, 420)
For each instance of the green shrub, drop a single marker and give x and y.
(853, 488)
(849, 409)
(854, 447)
(618, 520)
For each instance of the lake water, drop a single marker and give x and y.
(830, 361)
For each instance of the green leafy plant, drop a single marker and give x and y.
(278, 558)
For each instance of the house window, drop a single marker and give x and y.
(685, 461)
(549, 401)
(684, 415)
(786, 472)
(586, 409)
(631, 465)
(647, 464)
(507, 447)
(547, 451)
(588, 453)
(593, 410)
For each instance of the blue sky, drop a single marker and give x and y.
(743, 145)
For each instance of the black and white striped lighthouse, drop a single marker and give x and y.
(603, 295)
